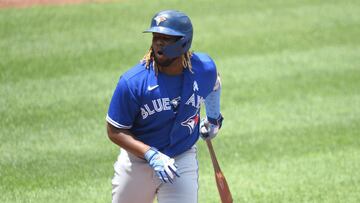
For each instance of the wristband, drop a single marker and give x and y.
(217, 121)
(150, 153)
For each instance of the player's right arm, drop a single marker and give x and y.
(124, 106)
(125, 139)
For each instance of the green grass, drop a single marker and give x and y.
(291, 97)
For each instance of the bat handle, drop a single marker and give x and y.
(213, 156)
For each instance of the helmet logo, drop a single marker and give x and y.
(159, 19)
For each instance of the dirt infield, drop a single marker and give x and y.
(27, 3)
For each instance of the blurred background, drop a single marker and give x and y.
(291, 96)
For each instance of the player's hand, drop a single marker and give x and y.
(164, 166)
(209, 130)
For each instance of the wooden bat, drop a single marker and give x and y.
(223, 188)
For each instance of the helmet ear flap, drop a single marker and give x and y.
(184, 44)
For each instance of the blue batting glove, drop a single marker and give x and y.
(163, 165)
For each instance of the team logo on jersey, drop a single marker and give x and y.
(191, 122)
(159, 19)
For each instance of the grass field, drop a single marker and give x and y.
(291, 97)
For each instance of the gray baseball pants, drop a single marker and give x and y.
(135, 181)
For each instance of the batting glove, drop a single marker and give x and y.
(163, 165)
(209, 127)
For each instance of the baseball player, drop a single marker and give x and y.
(154, 116)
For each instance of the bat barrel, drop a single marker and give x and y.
(223, 188)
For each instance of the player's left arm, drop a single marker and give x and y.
(210, 126)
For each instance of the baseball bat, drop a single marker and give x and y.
(223, 188)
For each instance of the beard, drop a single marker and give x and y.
(161, 60)
(164, 63)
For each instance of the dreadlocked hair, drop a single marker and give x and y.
(149, 58)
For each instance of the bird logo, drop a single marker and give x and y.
(159, 19)
(191, 122)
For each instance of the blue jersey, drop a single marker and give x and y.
(142, 104)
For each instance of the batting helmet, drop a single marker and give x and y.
(174, 23)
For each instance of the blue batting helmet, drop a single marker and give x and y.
(174, 23)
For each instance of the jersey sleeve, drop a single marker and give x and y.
(209, 74)
(123, 106)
